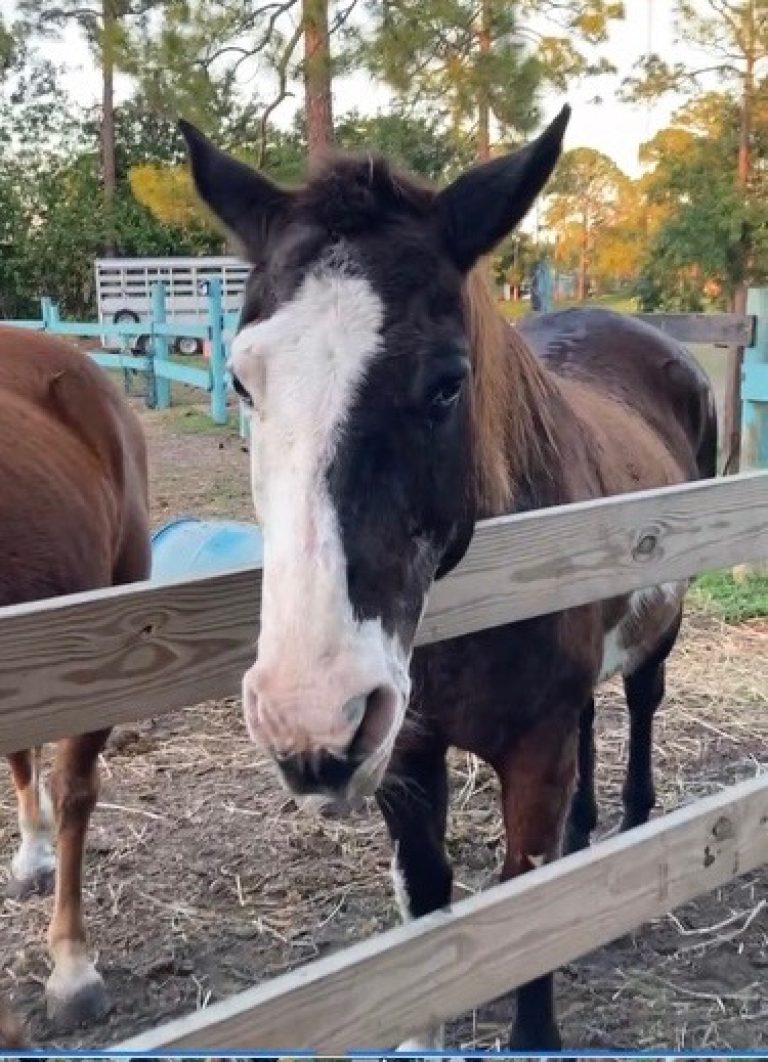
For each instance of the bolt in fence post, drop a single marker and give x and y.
(155, 378)
(218, 353)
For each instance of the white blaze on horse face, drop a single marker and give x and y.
(303, 367)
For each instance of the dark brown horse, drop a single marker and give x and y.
(393, 408)
(73, 517)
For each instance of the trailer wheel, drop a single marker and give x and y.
(138, 344)
(125, 315)
(187, 346)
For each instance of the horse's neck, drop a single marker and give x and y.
(520, 416)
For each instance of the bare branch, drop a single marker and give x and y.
(343, 16)
(209, 60)
(279, 9)
(283, 92)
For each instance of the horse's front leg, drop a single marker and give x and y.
(33, 866)
(537, 779)
(75, 990)
(414, 802)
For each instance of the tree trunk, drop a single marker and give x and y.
(483, 98)
(108, 164)
(583, 259)
(317, 77)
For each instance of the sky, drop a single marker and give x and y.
(615, 128)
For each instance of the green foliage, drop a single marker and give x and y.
(735, 601)
(515, 259)
(418, 143)
(594, 209)
(713, 233)
(8, 48)
(458, 56)
(431, 52)
(718, 186)
(50, 230)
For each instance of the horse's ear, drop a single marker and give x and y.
(245, 202)
(484, 204)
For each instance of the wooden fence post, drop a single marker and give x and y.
(159, 384)
(218, 353)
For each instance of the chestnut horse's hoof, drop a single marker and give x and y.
(80, 1000)
(39, 883)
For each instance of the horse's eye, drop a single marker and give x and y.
(241, 391)
(445, 396)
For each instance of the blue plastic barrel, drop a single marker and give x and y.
(187, 547)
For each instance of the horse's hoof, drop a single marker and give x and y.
(72, 1002)
(40, 883)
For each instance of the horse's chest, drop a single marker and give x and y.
(648, 616)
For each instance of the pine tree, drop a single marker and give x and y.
(105, 26)
(733, 34)
(483, 61)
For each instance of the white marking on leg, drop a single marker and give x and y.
(536, 861)
(75, 988)
(35, 857)
(401, 891)
(619, 654)
(613, 654)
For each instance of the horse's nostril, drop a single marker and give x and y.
(375, 722)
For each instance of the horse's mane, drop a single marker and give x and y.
(513, 422)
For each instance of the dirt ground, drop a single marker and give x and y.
(203, 878)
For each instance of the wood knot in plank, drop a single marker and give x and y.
(723, 830)
(647, 545)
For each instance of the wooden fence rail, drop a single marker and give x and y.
(375, 994)
(117, 656)
(726, 329)
(113, 656)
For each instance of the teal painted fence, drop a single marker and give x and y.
(155, 360)
(754, 385)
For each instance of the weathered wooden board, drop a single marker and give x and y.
(92, 660)
(728, 329)
(374, 994)
(557, 558)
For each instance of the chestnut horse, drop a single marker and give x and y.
(73, 517)
(393, 407)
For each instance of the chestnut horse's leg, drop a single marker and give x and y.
(582, 816)
(75, 990)
(644, 690)
(414, 803)
(537, 779)
(11, 1031)
(33, 866)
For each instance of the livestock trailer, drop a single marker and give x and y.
(124, 290)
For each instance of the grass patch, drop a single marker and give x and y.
(193, 420)
(733, 601)
(514, 310)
